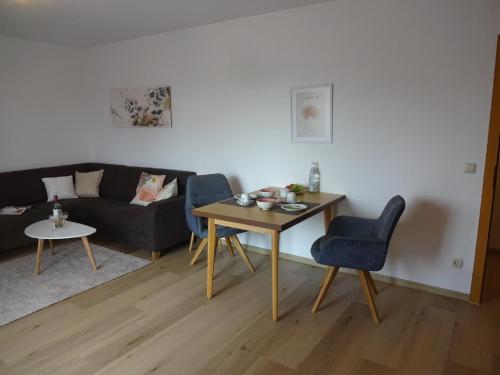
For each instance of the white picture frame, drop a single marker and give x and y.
(311, 114)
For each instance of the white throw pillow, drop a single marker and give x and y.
(61, 186)
(168, 191)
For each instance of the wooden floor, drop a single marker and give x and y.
(158, 321)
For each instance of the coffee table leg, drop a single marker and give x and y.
(51, 247)
(39, 253)
(89, 252)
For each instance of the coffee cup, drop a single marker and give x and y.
(244, 198)
(284, 192)
(291, 197)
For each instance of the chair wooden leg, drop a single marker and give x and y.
(371, 284)
(219, 242)
(368, 294)
(198, 251)
(229, 246)
(330, 275)
(243, 253)
(191, 242)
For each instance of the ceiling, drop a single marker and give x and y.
(85, 23)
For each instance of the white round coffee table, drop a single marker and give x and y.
(44, 230)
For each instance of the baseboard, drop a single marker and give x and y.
(376, 276)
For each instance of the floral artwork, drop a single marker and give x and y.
(312, 113)
(142, 107)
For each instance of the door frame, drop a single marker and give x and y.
(490, 170)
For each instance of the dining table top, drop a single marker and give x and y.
(271, 219)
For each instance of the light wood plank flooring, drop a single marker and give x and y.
(158, 321)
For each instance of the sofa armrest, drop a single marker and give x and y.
(167, 223)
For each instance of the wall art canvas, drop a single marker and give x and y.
(142, 107)
(312, 113)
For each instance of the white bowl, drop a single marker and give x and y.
(265, 203)
(266, 193)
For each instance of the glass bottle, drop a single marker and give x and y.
(56, 208)
(314, 178)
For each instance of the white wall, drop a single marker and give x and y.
(40, 105)
(411, 105)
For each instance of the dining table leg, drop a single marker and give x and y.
(211, 256)
(328, 217)
(275, 266)
(328, 214)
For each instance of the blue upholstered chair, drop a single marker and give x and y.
(203, 190)
(360, 244)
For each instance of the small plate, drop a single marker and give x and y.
(294, 207)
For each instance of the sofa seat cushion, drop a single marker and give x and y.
(17, 223)
(38, 212)
(116, 213)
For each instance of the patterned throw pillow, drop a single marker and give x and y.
(148, 188)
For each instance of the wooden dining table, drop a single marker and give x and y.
(271, 222)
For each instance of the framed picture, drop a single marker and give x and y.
(142, 107)
(312, 113)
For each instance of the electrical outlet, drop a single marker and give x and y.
(457, 262)
(470, 168)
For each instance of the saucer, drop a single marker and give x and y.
(252, 196)
(246, 204)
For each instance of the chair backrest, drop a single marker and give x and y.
(389, 218)
(203, 190)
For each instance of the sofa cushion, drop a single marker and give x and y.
(116, 213)
(87, 183)
(26, 187)
(18, 223)
(148, 188)
(62, 187)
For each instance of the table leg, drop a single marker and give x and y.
(39, 253)
(212, 242)
(328, 216)
(89, 253)
(274, 259)
(51, 245)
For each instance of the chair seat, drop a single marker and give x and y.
(345, 252)
(222, 232)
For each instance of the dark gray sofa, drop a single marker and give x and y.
(155, 228)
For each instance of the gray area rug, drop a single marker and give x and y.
(64, 274)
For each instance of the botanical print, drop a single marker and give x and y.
(142, 107)
(312, 113)
(310, 120)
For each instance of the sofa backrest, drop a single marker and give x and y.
(118, 181)
(26, 187)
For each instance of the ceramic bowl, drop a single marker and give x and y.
(265, 203)
(266, 193)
